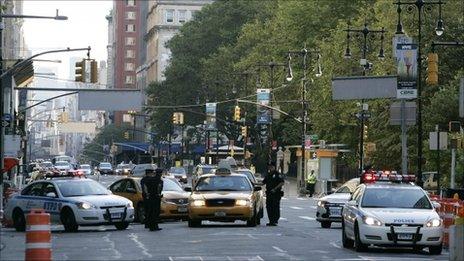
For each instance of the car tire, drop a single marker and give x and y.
(140, 213)
(346, 242)
(121, 225)
(194, 223)
(435, 250)
(253, 221)
(326, 224)
(19, 220)
(69, 220)
(358, 245)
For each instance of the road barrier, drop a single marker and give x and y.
(38, 236)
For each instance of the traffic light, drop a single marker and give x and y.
(365, 132)
(237, 113)
(454, 126)
(432, 69)
(175, 120)
(80, 71)
(93, 71)
(244, 131)
(60, 118)
(64, 117)
(126, 135)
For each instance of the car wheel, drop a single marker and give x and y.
(346, 242)
(140, 213)
(253, 221)
(358, 245)
(326, 224)
(435, 250)
(19, 221)
(69, 221)
(121, 225)
(194, 223)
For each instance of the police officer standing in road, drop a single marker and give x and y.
(274, 182)
(152, 186)
(310, 182)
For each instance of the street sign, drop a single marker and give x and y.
(406, 59)
(110, 100)
(263, 115)
(12, 146)
(395, 113)
(443, 140)
(364, 87)
(307, 142)
(274, 145)
(406, 93)
(314, 138)
(363, 115)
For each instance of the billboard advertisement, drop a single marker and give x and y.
(264, 115)
(406, 60)
(211, 116)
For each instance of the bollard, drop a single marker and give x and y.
(38, 236)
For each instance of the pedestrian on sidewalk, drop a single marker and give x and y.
(310, 182)
(274, 182)
(152, 187)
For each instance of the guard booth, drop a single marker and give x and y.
(325, 165)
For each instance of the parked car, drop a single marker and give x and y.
(179, 173)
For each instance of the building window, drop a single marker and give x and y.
(182, 16)
(129, 67)
(169, 16)
(130, 15)
(129, 79)
(130, 54)
(130, 27)
(130, 2)
(130, 41)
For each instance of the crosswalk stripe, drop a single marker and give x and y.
(307, 218)
(297, 208)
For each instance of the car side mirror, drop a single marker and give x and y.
(51, 195)
(257, 188)
(436, 205)
(352, 203)
(131, 190)
(188, 189)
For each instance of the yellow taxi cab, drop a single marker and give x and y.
(174, 204)
(224, 197)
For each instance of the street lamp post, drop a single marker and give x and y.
(304, 113)
(419, 6)
(365, 32)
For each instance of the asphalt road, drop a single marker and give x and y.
(298, 237)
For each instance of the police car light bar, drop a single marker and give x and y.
(391, 176)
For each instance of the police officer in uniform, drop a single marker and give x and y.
(311, 182)
(152, 187)
(274, 182)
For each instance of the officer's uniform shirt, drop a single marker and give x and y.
(272, 180)
(151, 187)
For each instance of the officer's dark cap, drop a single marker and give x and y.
(158, 171)
(149, 171)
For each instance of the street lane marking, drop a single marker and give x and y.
(307, 218)
(283, 219)
(335, 245)
(297, 208)
(251, 236)
(302, 198)
(117, 254)
(313, 207)
(134, 237)
(279, 249)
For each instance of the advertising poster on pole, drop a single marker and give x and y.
(211, 116)
(406, 58)
(263, 114)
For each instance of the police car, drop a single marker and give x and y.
(329, 208)
(72, 202)
(391, 213)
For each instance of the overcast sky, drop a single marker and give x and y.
(86, 26)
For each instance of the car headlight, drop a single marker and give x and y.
(129, 205)
(184, 176)
(433, 223)
(85, 205)
(242, 202)
(198, 203)
(371, 221)
(321, 203)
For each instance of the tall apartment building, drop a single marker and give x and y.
(126, 16)
(164, 19)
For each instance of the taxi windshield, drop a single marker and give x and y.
(81, 188)
(169, 185)
(247, 173)
(177, 170)
(223, 183)
(395, 198)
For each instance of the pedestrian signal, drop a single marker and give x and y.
(432, 69)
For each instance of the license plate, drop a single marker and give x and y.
(182, 209)
(335, 211)
(404, 236)
(116, 215)
(220, 214)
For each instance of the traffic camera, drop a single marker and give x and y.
(432, 69)
(237, 113)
